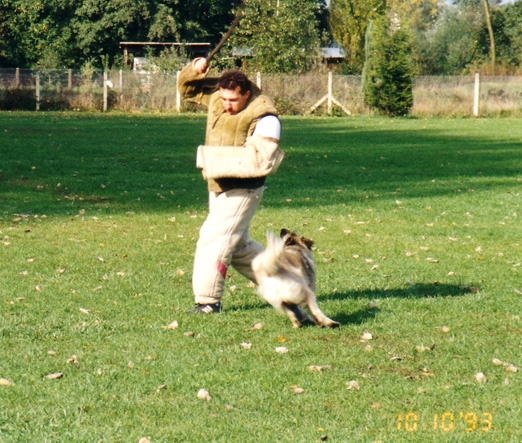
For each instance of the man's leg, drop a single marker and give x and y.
(228, 220)
(245, 252)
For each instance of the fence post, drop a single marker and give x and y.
(178, 96)
(258, 80)
(105, 94)
(476, 96)
(121, 81)
(37, 91)
(17, 78)
(69, 80)
(329, 103)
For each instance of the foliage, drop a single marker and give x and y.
(280, 36)
(75, 33)
(387, 75)
(348, 21)
(447, 38)
(417, 243)
(512, 30)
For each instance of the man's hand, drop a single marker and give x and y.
(200, 65)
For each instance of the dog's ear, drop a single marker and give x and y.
(284, 232)
(309, 243)
(290, 240)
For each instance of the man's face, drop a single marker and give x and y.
(232, 99)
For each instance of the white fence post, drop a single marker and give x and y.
(37, 91)
(329, 103)
(105, 91)
(476, 96)
(178, 95)
(258, 80)
(17, 77)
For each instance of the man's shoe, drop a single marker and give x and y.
(209, 308)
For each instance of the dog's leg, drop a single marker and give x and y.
(320, 319)
(294, 312)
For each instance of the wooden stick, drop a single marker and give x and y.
(239, 14)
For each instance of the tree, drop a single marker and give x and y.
(513, 30)
(348, 21)
(387, 74)
(492, 53)
(281, 36)
(452, 45)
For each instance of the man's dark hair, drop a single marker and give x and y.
(233, 79)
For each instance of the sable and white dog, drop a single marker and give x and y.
(286, 278)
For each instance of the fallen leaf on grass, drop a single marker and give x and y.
(245, 345)
(281, 350)
(5, 382)
(353, 386)
(297, 390)
(73, 359)
(203, 394)
(173, 325)
(518, 292)
(480, 377)
(255, 327)
(510, 367)
(144, 440)
(423, 348)
(54, 376)
(85, 311)
(367, 336)
(318, 368)
(161, 387)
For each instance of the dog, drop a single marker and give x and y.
(286, 278)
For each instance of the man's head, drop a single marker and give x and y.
(234, 89)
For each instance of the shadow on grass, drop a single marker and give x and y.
(419, 290)
(360, 316)
(60, 163)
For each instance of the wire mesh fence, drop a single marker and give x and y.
(130, 91)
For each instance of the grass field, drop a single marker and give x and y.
(418, 234)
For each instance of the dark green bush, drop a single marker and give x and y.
(388, 73)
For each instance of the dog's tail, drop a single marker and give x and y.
(273, 252)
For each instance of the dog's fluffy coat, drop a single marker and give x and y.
(286, 277)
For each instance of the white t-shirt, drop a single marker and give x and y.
(268, 126)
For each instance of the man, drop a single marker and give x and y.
(238, 116)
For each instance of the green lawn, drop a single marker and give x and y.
(418, 234)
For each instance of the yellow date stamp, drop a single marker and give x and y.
(446, 422)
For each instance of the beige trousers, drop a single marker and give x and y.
(224, 241)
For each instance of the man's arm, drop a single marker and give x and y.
(193, 84)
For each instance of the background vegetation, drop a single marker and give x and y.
(418, 253)
(447, 38)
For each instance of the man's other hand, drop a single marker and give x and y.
(200, 65)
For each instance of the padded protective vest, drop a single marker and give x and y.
(232, 130)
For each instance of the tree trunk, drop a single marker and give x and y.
(490, 31)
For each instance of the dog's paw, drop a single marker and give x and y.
(329, 324)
